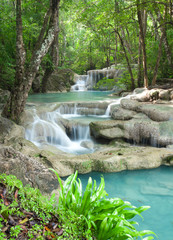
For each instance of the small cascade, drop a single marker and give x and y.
(116, 102)
(67, 109)
(80, 132)
(80, 83)
(48, 130)
(89, 81)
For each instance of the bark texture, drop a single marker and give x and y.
(142, 29)
(24, 77)
(158, 61)
(127, 60)
(54, 51)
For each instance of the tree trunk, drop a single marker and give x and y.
(16, 102)
(157, 36)
(20, 51)
(142, 34)
(126, 43)
(127, 60)
(54, 53)
(158, 61)
(140, 75)
(165, 40)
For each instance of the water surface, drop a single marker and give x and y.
(152, 187)
(70, 96)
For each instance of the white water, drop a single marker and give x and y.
(47, 130)
(89, 81)
(117, 101)
(80, 83)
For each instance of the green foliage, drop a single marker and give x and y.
(81, 215)
(105, 84)
(105, 218)
(124, 81)
(87, 38)
(32, 202)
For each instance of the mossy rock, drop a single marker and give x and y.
(61, 80)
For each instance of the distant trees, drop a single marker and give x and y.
(92, 35)
(128, 32)
(25, 73)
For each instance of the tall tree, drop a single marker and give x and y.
(142, 39)
(54, 49)
(25, 75)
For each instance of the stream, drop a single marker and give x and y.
(144, 187)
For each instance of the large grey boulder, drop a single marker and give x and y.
(61, 80)
(138, 130)
(9, 130)
(157, 112)
(28, 170)
(130, 104)
(122, 114)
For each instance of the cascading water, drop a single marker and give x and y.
(47, 130)
(89, 81)
(80, 83)
(80, 132)
(117, 101)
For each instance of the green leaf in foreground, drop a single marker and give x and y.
(103, 218)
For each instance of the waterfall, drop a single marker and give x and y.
(116, 102)
(80, 83)
(80, 132)
(47, 129)
(67, 109)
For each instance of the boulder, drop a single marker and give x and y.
(138, 130)
(61, 80)
(27, 169)
(157, 112)
(130, 104)
(164, 95)
(9, 130)
(109, 129)
(87, 144)
(130, 158)
(122, 114)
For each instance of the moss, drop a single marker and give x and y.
(87, 165)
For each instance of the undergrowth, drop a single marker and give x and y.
(26, 214)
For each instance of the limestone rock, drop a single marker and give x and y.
(157, 112)
(9, 130)
(122, 114)
(87, 144)
(28, 170)
(109, 129)
(164, 95)
(130, 104)
(61, 80)
(137, 130)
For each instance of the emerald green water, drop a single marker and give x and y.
(144, 188)
(69, 96)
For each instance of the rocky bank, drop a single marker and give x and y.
(133, 120)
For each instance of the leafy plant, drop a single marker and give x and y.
(106, 218)
(105, 84)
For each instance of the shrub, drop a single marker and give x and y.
(105, 84)
(103, 218)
